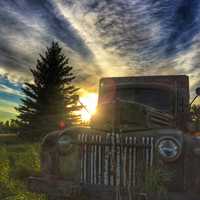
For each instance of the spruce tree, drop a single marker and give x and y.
(51, 99)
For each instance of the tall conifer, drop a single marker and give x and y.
(51, 100)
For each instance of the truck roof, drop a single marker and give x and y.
(165, 79)
(180, 82)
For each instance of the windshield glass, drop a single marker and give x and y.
(158, 98)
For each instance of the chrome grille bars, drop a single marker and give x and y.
(114, 159)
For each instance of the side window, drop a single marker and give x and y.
(181, 100)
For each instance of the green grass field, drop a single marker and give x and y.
(18, 160)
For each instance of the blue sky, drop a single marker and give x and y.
(102, 38)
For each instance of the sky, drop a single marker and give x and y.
(101, 38)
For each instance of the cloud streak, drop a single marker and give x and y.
(143, 36)
(8, 90)
(26, 28)
(102, 38)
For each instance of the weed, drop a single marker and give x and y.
(17, 162)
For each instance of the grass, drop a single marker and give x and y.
(156, 181)
(18, 160)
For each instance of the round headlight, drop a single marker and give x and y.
(169, 149)
(65, 144)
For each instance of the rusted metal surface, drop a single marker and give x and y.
(115, 160)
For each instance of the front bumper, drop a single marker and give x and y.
(60, 189)
(53, 187)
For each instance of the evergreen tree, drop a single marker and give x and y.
(52, 99)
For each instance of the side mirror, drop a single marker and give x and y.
(198, 91)
(197, 95)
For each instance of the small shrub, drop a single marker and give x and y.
(17, 163)
(156, 180)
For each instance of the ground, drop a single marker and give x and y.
(18, 160)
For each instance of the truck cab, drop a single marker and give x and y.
(138, 146)
(166, 96)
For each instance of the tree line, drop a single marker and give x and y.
(9, 126)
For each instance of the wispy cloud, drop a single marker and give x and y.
(102, 38)
(138, 37)
(26, 29)
(8, 106)
(7, 110)
(8, 90)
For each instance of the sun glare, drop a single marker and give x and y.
(90, 103)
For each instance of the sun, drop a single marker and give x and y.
(90, 102)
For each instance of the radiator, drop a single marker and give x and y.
(115, 159)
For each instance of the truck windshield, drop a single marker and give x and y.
(157, 98)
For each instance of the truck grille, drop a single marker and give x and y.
(115, 160)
